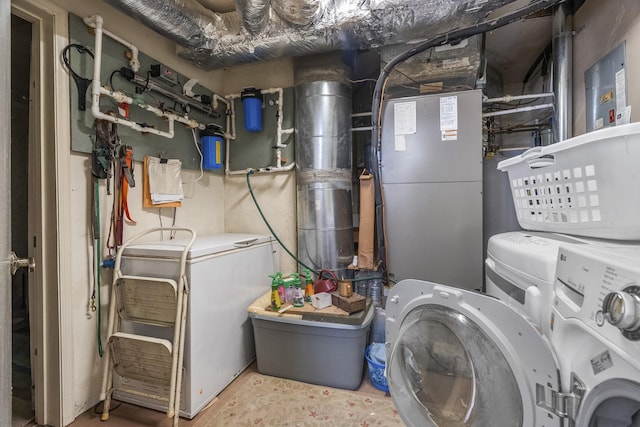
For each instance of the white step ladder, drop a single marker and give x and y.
(148, 301)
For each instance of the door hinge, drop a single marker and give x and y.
(566, 405)
(563, 405)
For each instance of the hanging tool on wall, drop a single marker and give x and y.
(123, 176)
(126, 180)
(82, 83)
(102, 156)
(103, 151)
(94, 298)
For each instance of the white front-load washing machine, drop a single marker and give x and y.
(460, 358)
(596, 334)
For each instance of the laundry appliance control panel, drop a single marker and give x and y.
(601, 287)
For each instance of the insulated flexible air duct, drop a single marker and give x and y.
(188, 23)
(255, 14)
(296, 12)
(299, 27)
(323, 159)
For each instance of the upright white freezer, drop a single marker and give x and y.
(225, 273)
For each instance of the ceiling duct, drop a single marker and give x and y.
(187, 23)
(296, 12)
(449, 68)
(255, 14)
(264, 30)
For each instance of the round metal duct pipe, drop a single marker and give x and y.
(323, 160)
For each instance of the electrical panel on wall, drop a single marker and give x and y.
(606, 91)
(154, 84)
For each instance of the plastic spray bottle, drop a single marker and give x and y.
(275, 296)
(298, 292)
(280, 288)
(288, 290)
(309, 288)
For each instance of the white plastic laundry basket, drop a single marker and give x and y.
(588, 185)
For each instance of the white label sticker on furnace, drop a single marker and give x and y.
(601, 362)
(449, 117)
(404, 120)
(621, 90)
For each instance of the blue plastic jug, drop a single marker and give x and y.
(212, 145)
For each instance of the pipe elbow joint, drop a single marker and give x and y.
(134, 63)
(93, 20)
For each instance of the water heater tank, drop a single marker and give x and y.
(323, 160)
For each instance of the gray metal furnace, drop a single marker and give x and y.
(432, 184)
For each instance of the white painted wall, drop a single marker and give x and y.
(202, 209)
(600, 26)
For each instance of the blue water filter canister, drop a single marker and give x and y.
(252, 103)
(212, 143)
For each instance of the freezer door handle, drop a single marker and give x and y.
(245, 243)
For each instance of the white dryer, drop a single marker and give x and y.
(520, 270)
(460, 358)
(596, 333)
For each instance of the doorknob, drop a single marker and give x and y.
(17, 263)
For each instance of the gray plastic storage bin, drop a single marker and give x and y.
(316, 352)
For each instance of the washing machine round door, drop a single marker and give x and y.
(458, 358)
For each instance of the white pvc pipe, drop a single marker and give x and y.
(509, 98)
(279, 135)
(279, 92)
(134, 63)
(95, 83)
(96, 22)
(191, 124)
(279, 130)
(268, 169)
(116, 96)
(230, 111)
(517, 110)
(97, 90)
(287, 168)
(232, 106)
(172, 117)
